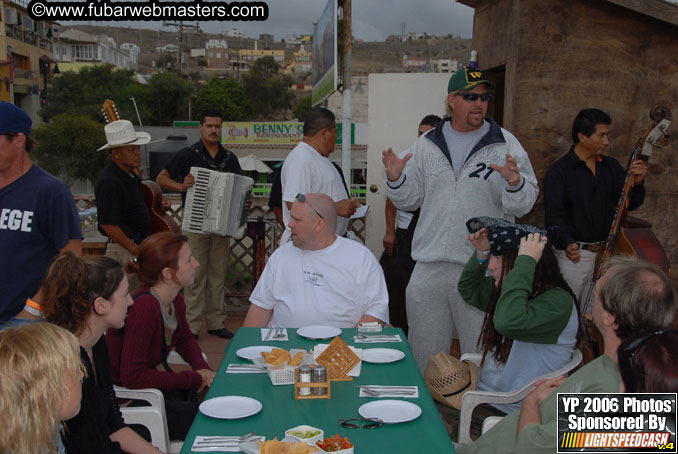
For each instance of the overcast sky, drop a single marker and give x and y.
(373, 20)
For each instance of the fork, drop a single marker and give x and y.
(270, 333)
(375, 338)
(245, 366)
(224, 439)
(378, 393)
(280, 333)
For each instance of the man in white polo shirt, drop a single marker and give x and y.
(318, 277)
(308, 169)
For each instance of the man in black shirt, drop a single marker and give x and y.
(122, 214)
(206, 295)
(275, 197)
(581, 191)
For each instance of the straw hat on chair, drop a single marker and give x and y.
(448, 378)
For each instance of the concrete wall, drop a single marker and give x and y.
(359, 96)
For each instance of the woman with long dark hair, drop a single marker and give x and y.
(156, 324)
(531, 322)
(87, 297)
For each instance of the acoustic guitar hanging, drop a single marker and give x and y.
(629, 236)
(160, 220)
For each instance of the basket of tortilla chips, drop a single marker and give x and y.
(281, 364)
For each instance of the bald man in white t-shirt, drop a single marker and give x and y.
(318, 277)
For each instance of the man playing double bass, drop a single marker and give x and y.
(581, 191)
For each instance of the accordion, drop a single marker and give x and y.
(216, 203)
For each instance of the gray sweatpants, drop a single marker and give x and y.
(437, 313)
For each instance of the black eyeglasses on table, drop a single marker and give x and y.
(302, 198)
(355, 423)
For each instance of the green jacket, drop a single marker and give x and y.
(538, 320)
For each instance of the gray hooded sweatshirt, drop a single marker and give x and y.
(428, 182)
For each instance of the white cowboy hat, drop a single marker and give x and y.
(121, 133)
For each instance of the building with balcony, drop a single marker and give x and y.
(74, 49)
(25, 57)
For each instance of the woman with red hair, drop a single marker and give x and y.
(155, 325)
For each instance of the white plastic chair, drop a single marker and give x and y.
(152, 417)
(471, 399)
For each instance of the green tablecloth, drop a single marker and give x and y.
(280, 411)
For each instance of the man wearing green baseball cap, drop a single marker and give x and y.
(467, 166)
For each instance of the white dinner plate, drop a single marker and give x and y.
(254, 351)
(382, 355)
(319, 332)
(390, 411)
(230, 407)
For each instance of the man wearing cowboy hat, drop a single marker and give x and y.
(466, 166)
(122, 214)
(38, 217)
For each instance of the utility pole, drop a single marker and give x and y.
(180, 52)
(346, 114)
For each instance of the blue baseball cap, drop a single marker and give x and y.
(14, 120)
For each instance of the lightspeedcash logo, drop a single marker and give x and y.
(149, 10)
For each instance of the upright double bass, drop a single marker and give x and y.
(630, 236)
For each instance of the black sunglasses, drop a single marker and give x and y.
(368, 423)
(473, 97)
(302, 198)
(629, 354)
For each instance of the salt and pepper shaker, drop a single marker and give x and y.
(319, 376)
(305, 377)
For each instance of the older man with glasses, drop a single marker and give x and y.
(632, 298)
(467, 166)
(318, 278)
